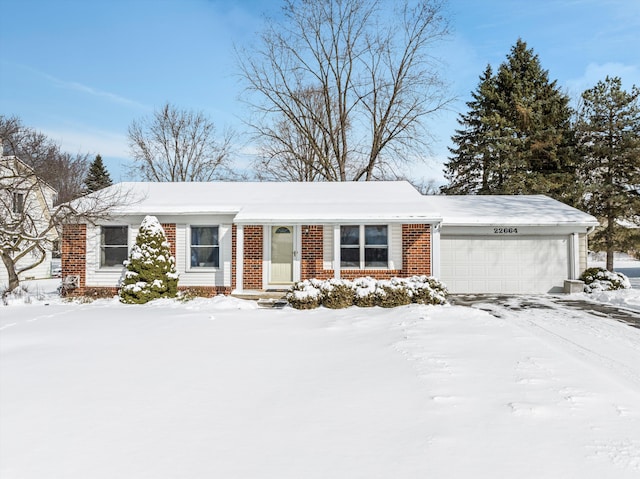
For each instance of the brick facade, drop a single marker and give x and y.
(416, 250)
(170, 232)
(253, 252)
(73, 249)
(416, 255)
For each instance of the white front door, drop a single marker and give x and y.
(281, 254)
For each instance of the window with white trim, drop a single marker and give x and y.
(205, 247)
(364, 246)
(114, 245)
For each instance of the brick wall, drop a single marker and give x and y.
(416, 249)
(311, 255)
(416, 255)
(73, 250)
(170, 232)
(253, 252)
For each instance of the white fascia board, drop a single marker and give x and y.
(374, 219)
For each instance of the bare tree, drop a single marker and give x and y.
(301, 150)
(179, 145)
(63, 171)
(374, 72)
(29, 223)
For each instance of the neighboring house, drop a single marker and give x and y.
(27, 199)
(240, 237)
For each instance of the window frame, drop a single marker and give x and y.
(217, 248)
(362, 247)
(101, 250)
(18, 202)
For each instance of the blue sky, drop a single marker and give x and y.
(80, 71)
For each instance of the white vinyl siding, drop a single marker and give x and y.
(220, 276)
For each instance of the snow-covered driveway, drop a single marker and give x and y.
(206, 389)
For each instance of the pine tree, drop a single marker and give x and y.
(517, 137)
(98, 177)
(151, 271)
(609, 138)
(475, 158)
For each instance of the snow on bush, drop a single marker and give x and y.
(599, 279)
(337, 293)
(305, 294)
(366, 292)
(393, 292)
(151, 271)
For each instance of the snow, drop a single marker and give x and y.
(534, 210)
(219, 388)
(230, 197)
(152, 226)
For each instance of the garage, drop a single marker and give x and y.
(521, 244)
(484, 264)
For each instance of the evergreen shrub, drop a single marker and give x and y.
(151, 271)
(600, 279)
(337, 293)
(394, 292)
(305, 294)
(366, 292)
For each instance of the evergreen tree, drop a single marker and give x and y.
(517, 136)
(98, 177)
(151, 271)
(474, 159)
(609, 139)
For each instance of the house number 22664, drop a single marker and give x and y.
(505, 231)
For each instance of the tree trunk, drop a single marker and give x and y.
(14, 282)
(609, 242)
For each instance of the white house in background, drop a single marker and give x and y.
(21, 191)
(230, 237)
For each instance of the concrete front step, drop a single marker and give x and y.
(260, 294)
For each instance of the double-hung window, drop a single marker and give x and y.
(18, 203)
(114, 245)
(205, 247)
(364, 246)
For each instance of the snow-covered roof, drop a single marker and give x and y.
(376, 201)
(533, 210)
(270, 202)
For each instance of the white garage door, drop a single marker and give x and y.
(515, 264)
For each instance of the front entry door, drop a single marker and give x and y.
(281, 254)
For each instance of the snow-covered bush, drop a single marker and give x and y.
(427, 290)
(337, 293)
(393, 292)
(305, 294)
(366, 292)
(599, 279)
(151, 270)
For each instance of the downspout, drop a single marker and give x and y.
(435, 249)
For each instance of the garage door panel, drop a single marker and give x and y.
(486, 264)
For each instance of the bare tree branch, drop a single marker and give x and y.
(179, 145)
(30, 224)
(351, 80)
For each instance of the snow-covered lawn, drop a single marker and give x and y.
(219, 389)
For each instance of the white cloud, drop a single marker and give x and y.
(83, 140)
(630, 75)
(79, 87)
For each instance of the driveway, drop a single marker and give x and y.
(493, 303)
